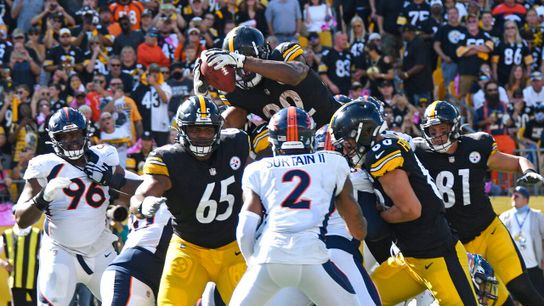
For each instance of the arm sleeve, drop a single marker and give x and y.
(245, 232)
(342, 173)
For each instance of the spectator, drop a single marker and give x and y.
(416, 68)
(415, 14)
(357, 47)
(32, 8)
(488, 22)
(92, 129)
(52, 9)
(169, 38)
(136, 160)
(52, 32)
(21, 247)
(147, 21)
(445, 44)
(23, 61)
(131, 8)
(115, 136)
(23, 134)
(153, 95)
(508, 10)
(96, 59)
(149, 52)
(97, 92)
(478, 97)
(473, 50)
(127, 37)
(317, 16)
(129, 64)
(284, 19)
(181, 83)
(54, 97)
(356, 91)
(253, 11)
(510, 51)
(229, 11)
(519, 111)
(403, 115)
(5, 47)
(42, 119)
(35, 44)
(169, 16)
(195, 9)
(335, 67)
(533, 94)
(318, 48)
(379, 68)
(116, 72)
(532, 133)
(516, 80)
(387, 13)
(207, 32)
(387, 92)
(528, 233)
(65, 56)
(90, 30)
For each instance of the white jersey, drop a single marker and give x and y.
(159, 110)
(149, 233)
(361, 183)
(297, 192)
(77, 221)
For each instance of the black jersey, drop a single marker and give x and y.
(506, 55)
(449, 38)
(460, 178)
(470, 65)
(269, 96)
(60, 57)
(337, 66)
(415, 14)
(429, 235)
(206, 196)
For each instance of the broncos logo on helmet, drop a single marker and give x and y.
(291, 130)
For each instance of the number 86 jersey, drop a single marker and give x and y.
(76, 219)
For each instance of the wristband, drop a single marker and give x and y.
(39, 202)
(117, 181)
(528, 171)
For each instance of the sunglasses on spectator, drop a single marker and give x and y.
(115, 65)
(105, 118)
(18, 37)
(98, 81)
(33, 33)
(472, 21)
(116, 84)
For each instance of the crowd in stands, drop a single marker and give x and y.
(127, 64)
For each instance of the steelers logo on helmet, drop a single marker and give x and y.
(291, 131)
(67, 129)
(441, 125)
(249, 42)
(199, 124)
(354, 128)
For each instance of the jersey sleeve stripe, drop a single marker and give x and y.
(286, 52)
(152, 168)
(390, 164)
(385, 158)
(493, 149)
(291, 55)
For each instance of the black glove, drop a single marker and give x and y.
(530, 177)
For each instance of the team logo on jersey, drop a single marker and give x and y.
(451, 159)
(474, 157)
(235, 163)
(455, 36)
(267, 92)
(213, 172)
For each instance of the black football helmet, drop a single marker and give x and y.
(198, 111)
(291, 131)
(249, 42)
(437, 113)
(67, 120)
(360, 121)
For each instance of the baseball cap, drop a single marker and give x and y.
(65, 31)
(79, 94)
(436, 2)
(409, 28)
(154, 68)
(484, 77)
(523, 191)
(536, 76)
(147, 136)
(374, 36)
(385, 83)
(18, 33)
(356, 85)
(191, 30)
(153, 32)
(313, 35)
(147, 12)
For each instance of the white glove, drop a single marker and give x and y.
(54, 186)
(200, 86)
(221, 58)
(151, 205)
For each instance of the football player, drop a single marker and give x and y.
(266, 80)
(133, 278)
(296, 189)
(200, 178)
(431, 256)
(459, 164)
(71, 186)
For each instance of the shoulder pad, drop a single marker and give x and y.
(287, 51)
(155, 163)
(386, 155)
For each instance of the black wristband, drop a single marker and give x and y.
(39, 202)
(117, 181)
(528, 171)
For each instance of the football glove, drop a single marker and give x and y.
(50, 192)
(99, 172)
(151, 205)
(530, 177)
(220, 58)
(200, 85)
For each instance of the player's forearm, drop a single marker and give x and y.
(27, 214)
(291, 73)
(398, 215)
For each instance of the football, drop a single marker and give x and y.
(222, 79)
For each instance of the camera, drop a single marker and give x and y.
(53, 6)
(117, 213)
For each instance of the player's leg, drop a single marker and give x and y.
(119, 289)
(503, 255)
(326, 284)
(345, 261)
(57, 276)
(447, 277)
(99, 262)
(183, 278)
(233, 267)
(290, 296)
(257, 286)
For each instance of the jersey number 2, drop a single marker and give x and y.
(293, 200)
